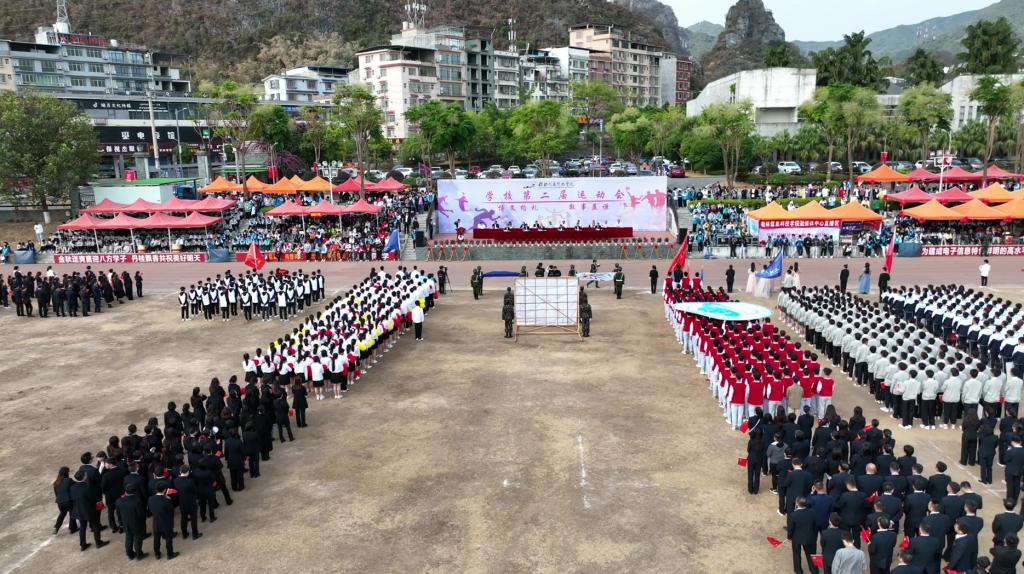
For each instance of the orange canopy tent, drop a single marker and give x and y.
(284, 186)
(854, 211)
(220, 185)
(883, 174)
(933, 211)
(253, 184)
(811, 210)
(994, 193)
(1013, 209)
(978, 211)
(771, 212)
(317, 184)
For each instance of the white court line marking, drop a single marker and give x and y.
(583, 471)
(29, 556)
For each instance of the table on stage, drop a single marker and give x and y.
(554, 234)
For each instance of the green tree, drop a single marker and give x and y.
(362, 119)
(451, 130)
(47, 147)
(923, 68)
(761, 148)
(808, 143)
(995, 101)
(631, 132)
(544, 129)
(594, 101)
(729, 125)
(852, 63)
(781, 55)
(824, 113)
(228, 117)
(314, 131)
(860, 113)
(925, 108)
(782, 144)
(667, 130)
(272, 127)
(990, 47)
(421, 116)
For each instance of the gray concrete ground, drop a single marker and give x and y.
(463, 453)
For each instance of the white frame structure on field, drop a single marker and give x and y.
(547, 306)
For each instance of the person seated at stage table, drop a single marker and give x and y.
(537, 226)
(508, 227)
(460, 231)
(524, 226)
(597, 226)
(561, 226)
(493, 225)
(578, 227)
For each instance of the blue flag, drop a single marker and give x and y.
(392, 244)
(774, 270)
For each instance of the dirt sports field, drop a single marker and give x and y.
(463, 453)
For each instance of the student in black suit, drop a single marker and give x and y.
(1014, 468)
(937, 482)
(883, 542)
(831, 541)
(162, 508)
(796, 484)
(926, 550)
(915, 507)
(972, 522)
(234, 452)
(132, 513)
(187, 502)
(938, 523)
(112, 484)
(906, 566)
(251, 444)
(1006, 523)
(62, 496)
(963, 555)
(802, 532)
(85, 510)
(1005, 558)
(852, 507)
(755, 460)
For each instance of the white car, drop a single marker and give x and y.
(515, 169)
(405, 171)
(615, 168)
(861, 167)
(375, 174)
(790, 167)
(460, 173)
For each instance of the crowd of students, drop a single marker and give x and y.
(178, 468)
(68, 295)
(280, 295)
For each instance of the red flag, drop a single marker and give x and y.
(890, 252)
(774, 542)
(741, 461)
(865, 535)
(254, 258)
(873, 498)
(680, 258)
(744, 427)
(818, 560)
(905, 544)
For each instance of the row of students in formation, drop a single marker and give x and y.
(264, 296)
(176, 471)
(64, 296)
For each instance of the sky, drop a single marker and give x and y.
(829, 19)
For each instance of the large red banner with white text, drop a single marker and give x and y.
(190, 257)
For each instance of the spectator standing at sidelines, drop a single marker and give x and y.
(984, 270)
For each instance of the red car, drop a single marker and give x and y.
(474, 169)
(677, 171)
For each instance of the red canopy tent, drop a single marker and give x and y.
(83, 223)
(196, 220)
(106, 206)
(912, 195)
(997, 173)
(119, 221)
(212, 204)
(387, 185)
(921, 174)
(178, 204)
(952, 195)
(142, 206)
(362, 206)
(959, 175)
(288, 209)
(325, 208)
(350, 185)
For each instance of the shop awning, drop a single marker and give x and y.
(883, 174)
(913, 195)
(771, 212)
(952, 195)
(854, 211)
(994, 193)
(932, 211)
(975, 210)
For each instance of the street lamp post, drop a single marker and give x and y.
(331, 171)
(942, 160)
(177, 130)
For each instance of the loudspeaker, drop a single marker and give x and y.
(419, 239)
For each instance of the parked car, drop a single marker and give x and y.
(460, 173)
(861, 167)
(405, 171)
(514, 169)
(556, 171)
(615, 167)
(375, 174)
(789, 167)
(597, 171)
(645, 172)
(974, 163)
(530, 171)
(474, 169)
(572, 164)
(435, 173)
(822, 167)
(677, 171)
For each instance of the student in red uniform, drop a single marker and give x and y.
(823, 389)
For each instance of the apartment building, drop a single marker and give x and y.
(574, 63)
(636, 65)
(540, 76)
(60, 61)
(304, 84)
(449, 46)
(401, 78)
